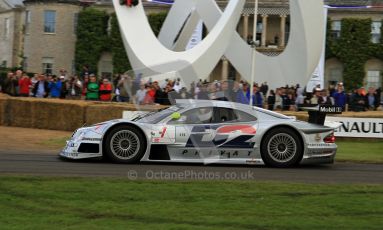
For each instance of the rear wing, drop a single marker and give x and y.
(317, 113)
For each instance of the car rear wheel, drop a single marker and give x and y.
(281, 147)
(125, 144)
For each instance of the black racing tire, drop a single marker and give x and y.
(281, 148)
(125, 144)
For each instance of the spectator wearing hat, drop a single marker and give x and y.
(243, 95)
(64, 87)
(92, 92)
(315, 99)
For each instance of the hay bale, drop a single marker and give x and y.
(302, 116)
(367, 114)
(18, 113)
(58, 114)
(104, 112)
(3, 106)
(43, 113)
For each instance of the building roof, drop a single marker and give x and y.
(10, 4)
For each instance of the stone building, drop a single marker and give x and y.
(11, 15)
(50, 35)
(374, 67)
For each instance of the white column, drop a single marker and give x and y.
(245, 26)
(264, 29)
(225, 69)
(282, 36)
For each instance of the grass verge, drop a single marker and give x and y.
(55, 142)
(73, 203)
(363, 151)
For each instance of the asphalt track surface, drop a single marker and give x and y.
(49, 164)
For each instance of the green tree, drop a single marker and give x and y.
(156, 20)
(120, 59)
(354, 48)
(92, 38)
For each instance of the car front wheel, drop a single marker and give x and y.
(125, 144)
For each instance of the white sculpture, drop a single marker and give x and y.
(294, 65)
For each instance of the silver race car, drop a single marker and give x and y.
(199, 131)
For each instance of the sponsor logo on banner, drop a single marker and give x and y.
(196, 37)
(358, 127)
(330, 109)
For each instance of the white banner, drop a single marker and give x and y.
(317, 77)
(358, 127)
(196, 37)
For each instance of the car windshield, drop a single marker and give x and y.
(154, 118)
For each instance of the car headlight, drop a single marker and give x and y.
(78, 136)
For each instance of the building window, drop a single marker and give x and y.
(336, 27)
(49, 21)
(373, 79)
(335, 76)
(48, 65)
(27, 20)
(376, 32)
(75, 22)
(6, 28)
(4, 64)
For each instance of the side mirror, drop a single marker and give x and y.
(176, 116)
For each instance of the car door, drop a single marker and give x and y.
(193, 134)
(235, 133)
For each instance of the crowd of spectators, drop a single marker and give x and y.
(124, 88)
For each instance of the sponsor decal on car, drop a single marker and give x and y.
(244, 129)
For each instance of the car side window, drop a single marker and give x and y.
(222, 115)
(195, 116)
(227, 115)
(244, 117)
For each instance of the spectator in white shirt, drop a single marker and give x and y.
(140, 94)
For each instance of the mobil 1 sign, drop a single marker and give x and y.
(358, 127)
